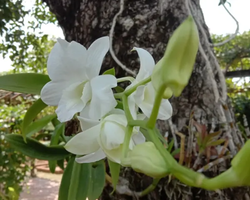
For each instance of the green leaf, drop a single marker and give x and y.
(97, 181)
(170, 145)
(119, 89)
(66, 179)
(80, 181)
(59, 130)
(215, 143)
(24, 83)
(176, 151)
(115, 171)
(211, 136)
(35, 149)
(32, 112)
(52, 166)
(60, 164)
(110, 71)
(38, 125)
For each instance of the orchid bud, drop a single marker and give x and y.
(175, 68)
(146, 159)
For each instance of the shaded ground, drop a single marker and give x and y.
(44, 187)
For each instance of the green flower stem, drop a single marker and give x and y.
(118, 95)
(126, 142)
(149, 188)
(153, 117)
(128, 78)
(140, 123)
(227, 179)
(126, 108)
(129, 129)
(187, 176)
(133, 88)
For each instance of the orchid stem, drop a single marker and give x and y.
(133, 88)
(118, 95)
(128, 78)
(157, 103)
(140, 123)
(126, 142)
(126, 108)
(150, 188)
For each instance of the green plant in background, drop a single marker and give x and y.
(13, 164)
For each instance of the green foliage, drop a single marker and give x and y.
(32, 113)
(242, 108)
(24, 83)
(22, 42)
(89, 185)
(11, 14)
(13, 165)
(55, 139)
(35, 149)
(114, 171)
(235, 54)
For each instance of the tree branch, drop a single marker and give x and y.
(238, 73)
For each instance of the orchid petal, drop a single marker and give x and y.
(147, 64)
(165, 111)
(132, 106)
(85, 112)
(114, 155)
(103, 99)
(86, 123)
(70, 103)
(86, 93)
(93, 157)
(85, 142)
(144, 98)
(95, 56)
(117, 118)
(138, 138)
(112, 135)
(52, 92)
(65, 62)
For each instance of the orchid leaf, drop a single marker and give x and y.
(110, 71)
(35, 149)
(29, 83)
(59, 130)
(66, 179)
(38, 125)
(31, 114)
(115, 171)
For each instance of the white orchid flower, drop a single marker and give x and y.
(144, 95)
(75, 84)
(102, 138)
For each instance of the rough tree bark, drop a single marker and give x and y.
(149, 24)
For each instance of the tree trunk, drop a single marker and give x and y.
(149, 24)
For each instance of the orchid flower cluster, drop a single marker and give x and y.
(77, 88)
(121, 125)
